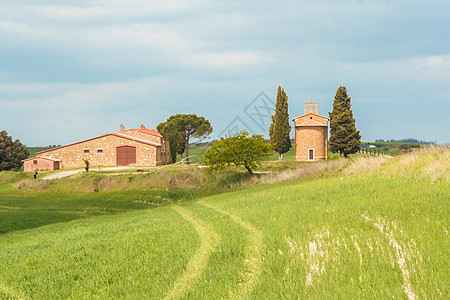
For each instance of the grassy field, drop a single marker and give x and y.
(27, 203)
(371, 227)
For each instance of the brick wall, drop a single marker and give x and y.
(311, 137)
(37, 163)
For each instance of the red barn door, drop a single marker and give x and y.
(126, 155)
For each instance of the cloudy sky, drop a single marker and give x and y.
(71, 70)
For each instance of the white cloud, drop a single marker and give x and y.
(60, 12)
(435, 68)
(65, 13)
(435, 62)
(233, 59)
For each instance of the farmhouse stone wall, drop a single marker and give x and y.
(102, 152)
(163, 156)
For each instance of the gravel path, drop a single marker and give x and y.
(73, 172)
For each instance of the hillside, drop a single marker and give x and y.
(366, 228)
(34, 150)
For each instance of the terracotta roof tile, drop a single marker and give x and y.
(41, 157)
(310, 114)
(148, 131)
(119, 134)
(310, 123)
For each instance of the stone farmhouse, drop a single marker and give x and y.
(311, 135)
(136, 146)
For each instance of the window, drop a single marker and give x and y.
(310, 118)
(311, 154)
(86, 150)
(99, 150)
(35, 162)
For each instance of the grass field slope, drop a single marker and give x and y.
(372, 227)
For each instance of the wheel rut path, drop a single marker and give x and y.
(11, 293)
(209, 240)
(252, 268)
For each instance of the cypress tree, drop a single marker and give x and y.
(280, 129)
(344, 138)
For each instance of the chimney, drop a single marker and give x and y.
(311, 108)
(122, 128)
(142, 126)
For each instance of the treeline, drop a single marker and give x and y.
(411, 141)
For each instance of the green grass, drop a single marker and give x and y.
(119, 256)
(30, 210)
(373, 228)
(40, 202)
(195, 154)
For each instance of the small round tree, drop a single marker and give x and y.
(11, 153)
(238, 150)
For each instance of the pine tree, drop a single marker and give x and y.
(344, 138)
(280, 129)
(181, 128)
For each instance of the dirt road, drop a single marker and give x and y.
(73, 172)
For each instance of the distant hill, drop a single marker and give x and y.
(34, 150)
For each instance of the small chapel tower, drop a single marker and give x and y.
(311, 135)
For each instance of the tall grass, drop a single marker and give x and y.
(323, 168)
(430, 162)
(11, 177)
(185, 179)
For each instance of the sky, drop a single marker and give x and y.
(71, 70)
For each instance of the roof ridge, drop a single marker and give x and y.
(136, 138)
(147, 130)
(314, 114)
